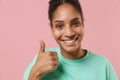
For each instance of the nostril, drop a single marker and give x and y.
(68, 31)
(70, 35)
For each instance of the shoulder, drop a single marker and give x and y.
(105, 64)
(97, 57)
(98, 60)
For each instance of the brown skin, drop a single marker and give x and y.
(67, 25)
(46, 62)
(68, 30)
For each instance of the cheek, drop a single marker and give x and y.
(57, 34)
(79, 30)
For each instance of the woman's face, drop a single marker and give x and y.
(67, 28)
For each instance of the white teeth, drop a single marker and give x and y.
(69, 41)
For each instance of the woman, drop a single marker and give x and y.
(69, 61)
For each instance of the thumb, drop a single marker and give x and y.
(42, 47)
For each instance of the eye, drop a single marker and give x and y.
(59, 26)
(76, 23)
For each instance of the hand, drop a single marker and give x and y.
(46, 62)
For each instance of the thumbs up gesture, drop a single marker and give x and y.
(46, 62)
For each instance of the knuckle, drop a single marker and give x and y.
(48, 53)
(51, 66)
(50, 57)
(51, 62)
(55, 53)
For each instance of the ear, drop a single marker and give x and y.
(83, 23)
(50, 24)
(83, 26)
(51, 27)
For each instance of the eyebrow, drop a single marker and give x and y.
(59, 21)
(63, 21)
(75, 19)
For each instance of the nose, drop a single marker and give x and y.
(69, 32)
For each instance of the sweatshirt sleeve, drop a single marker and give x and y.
(27, 71)
(111, 75)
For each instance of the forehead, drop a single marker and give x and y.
(66, 12)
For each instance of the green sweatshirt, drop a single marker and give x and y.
(90, 67)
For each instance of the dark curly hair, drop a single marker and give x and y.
(54, 4)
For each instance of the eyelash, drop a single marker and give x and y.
(76, 23)
(59, 26)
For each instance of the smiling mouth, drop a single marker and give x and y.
(70, 42)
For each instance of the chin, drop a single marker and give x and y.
(70, 49)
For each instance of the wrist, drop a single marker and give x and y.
(37, 71)
(35, 74)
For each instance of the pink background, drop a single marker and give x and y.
(24, 22)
